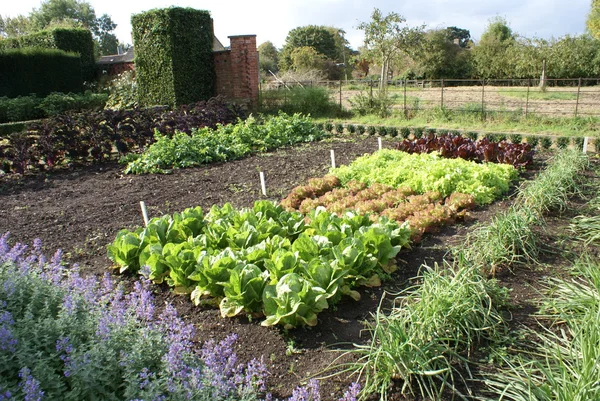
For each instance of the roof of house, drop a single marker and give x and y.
(128, 56)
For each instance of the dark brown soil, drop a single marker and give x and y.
(80, 211)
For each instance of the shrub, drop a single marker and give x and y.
(472, 135)
(443, 132)
(562, 142)
(371, 130)
(578, 142)
(308, 100)
(360, 129)
(431, 131)
(328, 127)
(533, 141)
(516, 138)
(122, 92)
(339, 128)
(393, 131)
(546, 142)
(418, 132)
(381, 130)
(364, 104)
(404, 132)
(71, 40)
(351, 128)
(173, 56)
(39, 71)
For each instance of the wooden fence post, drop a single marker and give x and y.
(442, 95)
(340, 94)
(527, 100)
(483, 99)
(578, 92)
(405, 110)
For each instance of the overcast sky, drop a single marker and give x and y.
(272, 20)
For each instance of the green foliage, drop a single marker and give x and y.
(418, 132)
(562, 142)
(393, 131)
(439, 58)
(224, 143)
(25, 108)
(308, 100)
(173, 56)
(490, 54)
(577, 142)
(122, 92)
(379, 104)
(430, 172)
(360, 129)
(516, 138)
(472, 135)
(382, 130)
(328, 126)
(546, 142)
(268, 58)
(593, 19)
(371, 130)
(71, 40)
(317, 37)
(533, 141)
(351, 128)
(405, 132)
(339, 128)
(39, 71)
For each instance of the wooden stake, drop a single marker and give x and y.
(263, 186)
(332, 158)
(379, 142)
(144, 213)
(585, 144)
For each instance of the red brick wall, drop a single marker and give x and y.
(237, 70)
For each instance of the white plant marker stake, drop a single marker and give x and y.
(263, 186)
(379, 142)
(144, 213)
(585, 144)
(332, 158)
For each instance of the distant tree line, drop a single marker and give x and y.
(64, 14)
(393, 49)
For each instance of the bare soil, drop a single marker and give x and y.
(81, 210)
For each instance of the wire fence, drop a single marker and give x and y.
(553, 97)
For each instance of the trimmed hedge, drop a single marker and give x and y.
(73, 40)
(173, 56)
(40, 71)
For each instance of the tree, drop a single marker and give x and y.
(492, 53)
(15, 26)
(306, 58)
(463, 35)
(317, 37)
(385, 38)
(439, 57)
(593, 19)
(64, 13)
(268, 57)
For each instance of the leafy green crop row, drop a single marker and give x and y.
(430, 172)
(224, 143)
(263, 260)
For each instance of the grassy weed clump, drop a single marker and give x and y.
(560, 364)
(431, 331)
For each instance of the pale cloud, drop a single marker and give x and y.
(272, 20)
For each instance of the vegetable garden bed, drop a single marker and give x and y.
(81, 212)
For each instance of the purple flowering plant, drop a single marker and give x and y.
(67, 336)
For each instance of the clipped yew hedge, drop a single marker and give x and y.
(173, 56)
(39, 71)
(75, 40)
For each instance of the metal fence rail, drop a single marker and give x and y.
(558, 97)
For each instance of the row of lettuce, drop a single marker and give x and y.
(273, 261)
